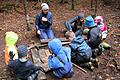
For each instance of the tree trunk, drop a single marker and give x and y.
(95, 11)
(118, 4)
(107, 2)
(26, 15)
(72, 4)
(91, 3)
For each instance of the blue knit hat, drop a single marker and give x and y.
(81, 15)
(22, 51)
(89, 22)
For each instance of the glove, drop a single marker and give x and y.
(11, 55)
(38, 32)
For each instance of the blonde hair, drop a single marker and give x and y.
(69, 34)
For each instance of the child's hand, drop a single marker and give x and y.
(11, 55)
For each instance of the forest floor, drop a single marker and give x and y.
(13, 19)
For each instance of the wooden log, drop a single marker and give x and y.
(37, 46)
(47, 52)
(79, 68)
(35, 57)
(44, 41)
(37, 62)
(42, 76)
(44, 54)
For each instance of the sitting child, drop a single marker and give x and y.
(10, 45)
(81, 53)
(94, 35)
(60, 60)
(22, 67)
(103, 27)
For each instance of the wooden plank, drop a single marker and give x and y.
(45, 41)
(35, 57)
(38, 46)
(37, 62)
(65, 43)
(42, 76)
(47, 52)
(44, 54)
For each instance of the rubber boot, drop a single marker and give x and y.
(87, 65)
(95, 62)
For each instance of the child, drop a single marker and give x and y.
(81, 52)
(100, 23)
(60, 60)
(10, 46)
(94, 34)
(22, 66)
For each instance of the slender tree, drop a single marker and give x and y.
(72, 4)
(91, 3)
(96, 4)
(26, 15)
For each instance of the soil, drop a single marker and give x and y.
(13, 19)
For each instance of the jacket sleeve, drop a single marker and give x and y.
(33, 67)
(54, 63)
(11, 64)
(50, 19)
(68, 24)
(37, 22)
(68, 52)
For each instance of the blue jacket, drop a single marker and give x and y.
(78, 45)
(46, 25)
(60, 61)
(22, 69)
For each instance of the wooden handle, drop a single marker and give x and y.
(79, 68)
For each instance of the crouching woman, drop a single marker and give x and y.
(60, 60)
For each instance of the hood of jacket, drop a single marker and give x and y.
(55, 46)
(11, 38)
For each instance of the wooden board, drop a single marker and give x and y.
(38, 46)
(37, 62)
(44, 54)
(44, 41)
(35, 56)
